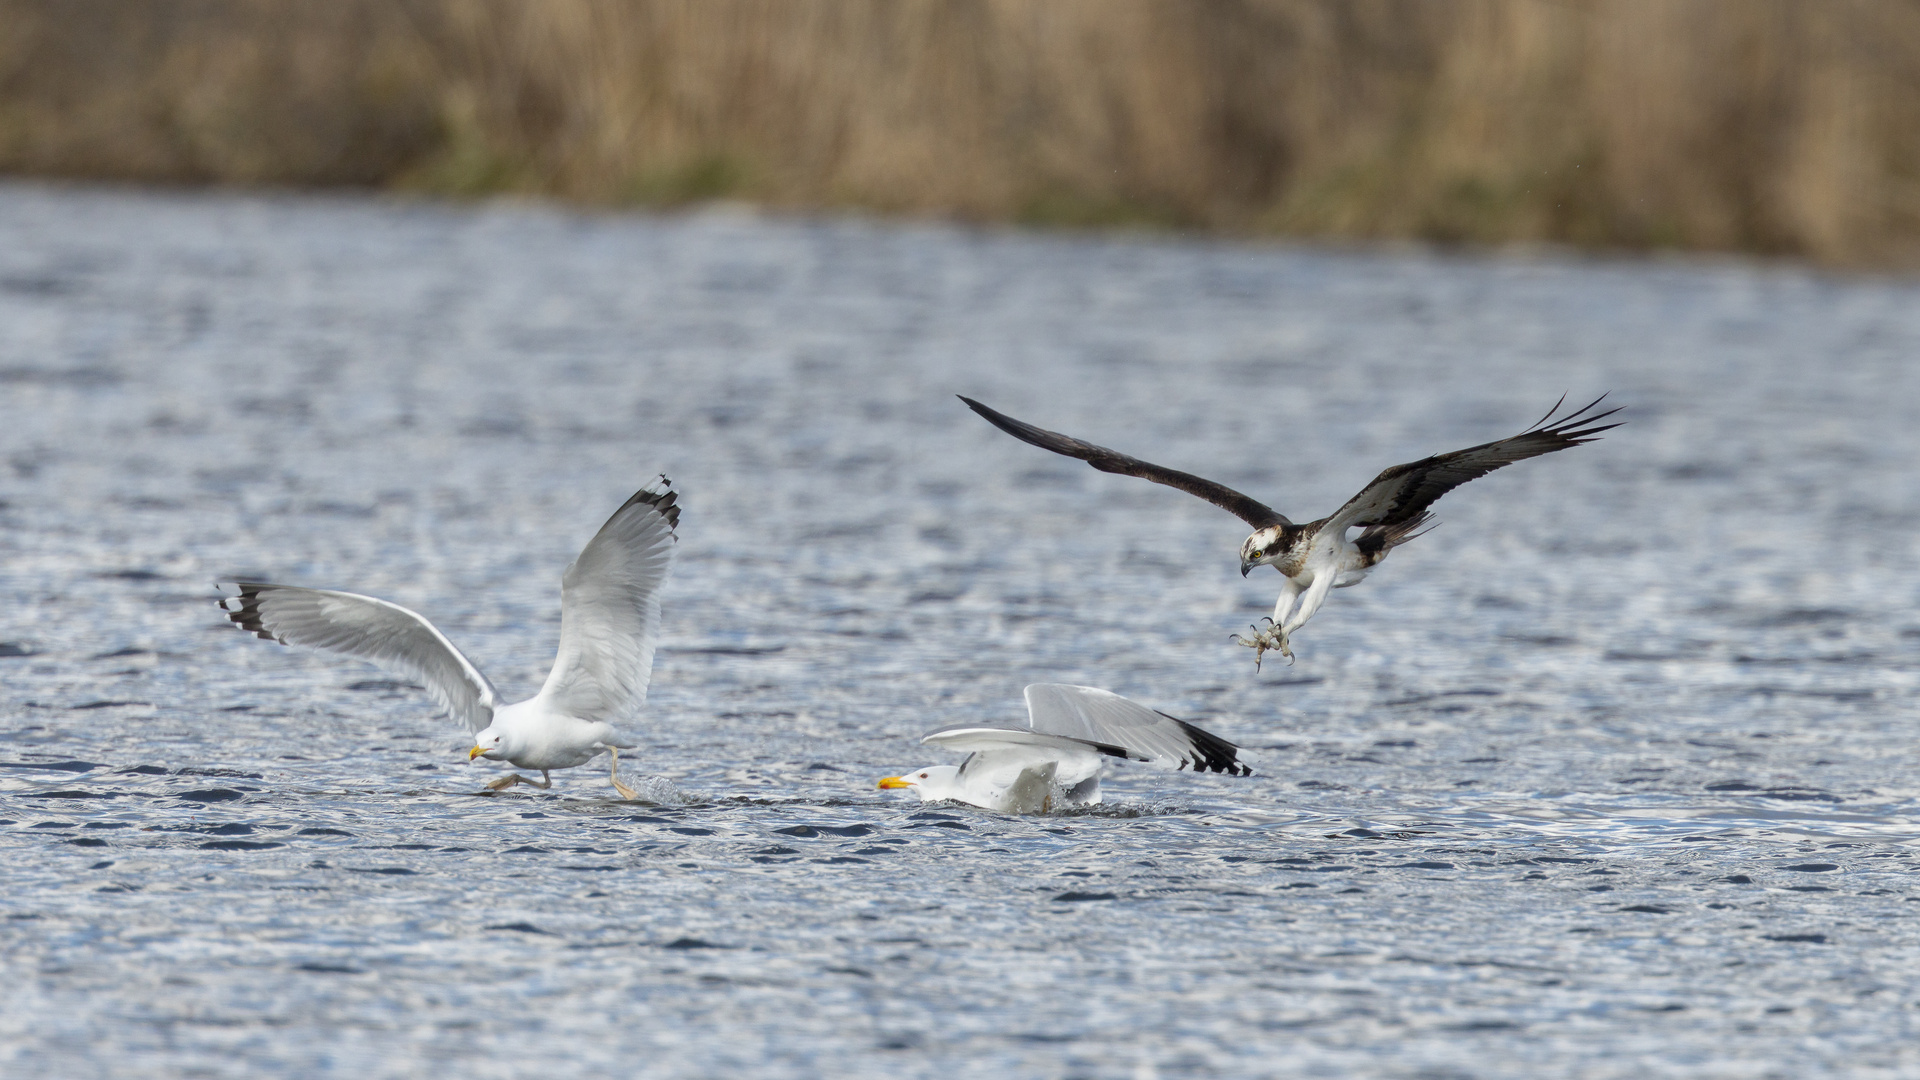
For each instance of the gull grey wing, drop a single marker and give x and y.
(1101, 716)
(373, 630)
(989, 740)
(1000, 755)
(1403, 492)
(1252, 511)
(610, 610)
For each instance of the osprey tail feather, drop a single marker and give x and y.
(1377, 540)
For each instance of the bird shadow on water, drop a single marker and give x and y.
(1114, 810)
(650, 791)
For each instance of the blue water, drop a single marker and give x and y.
(1610, 776)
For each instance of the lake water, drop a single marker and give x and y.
(1610, 776)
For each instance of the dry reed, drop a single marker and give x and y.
(1774, 126)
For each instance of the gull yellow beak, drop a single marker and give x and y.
(893, 782)
(475, 752)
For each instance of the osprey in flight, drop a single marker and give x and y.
(1318, 556)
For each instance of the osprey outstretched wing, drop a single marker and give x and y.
(1404, 491)
(1250, 510)
(1317, 556)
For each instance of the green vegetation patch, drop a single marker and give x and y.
(1062, 208)
(700, 179)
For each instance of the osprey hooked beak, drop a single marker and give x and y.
(894, 782)
(1246, 567)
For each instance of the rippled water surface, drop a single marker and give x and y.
(1610, 776)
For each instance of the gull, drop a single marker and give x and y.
(1319, 556)
(609, 617)
(1071, 731)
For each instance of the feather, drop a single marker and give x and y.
(610, 611)
(382, 633)
(1250, 510)
(1405, 491)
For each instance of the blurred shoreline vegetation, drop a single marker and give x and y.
(1780, 127)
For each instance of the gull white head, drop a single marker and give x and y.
(489, 744)
(933, 783)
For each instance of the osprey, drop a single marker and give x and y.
(609, 618)
(1318, 555)
(1071, 732)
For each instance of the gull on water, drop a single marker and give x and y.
(1072, 730)
(609, 618)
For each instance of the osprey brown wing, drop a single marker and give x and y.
(1252, 511)
(1405, 491)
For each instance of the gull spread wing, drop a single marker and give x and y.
(1252, 511)
(1403, 492)
(373, 630)
(1004, 761)
(989, 740)
(1102, 717)
(610, 610)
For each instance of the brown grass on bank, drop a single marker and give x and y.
(1778, 126)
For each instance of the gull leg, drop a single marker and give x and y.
(511, 779)
(625, 791)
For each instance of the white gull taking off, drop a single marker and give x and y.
(1072, 731)
(609, 618)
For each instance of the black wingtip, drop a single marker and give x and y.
(1579, 426)
(997, 418)
(660, 495)
(1211, 752)
(245, 613)
(1540, 423)
(1064, 445)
